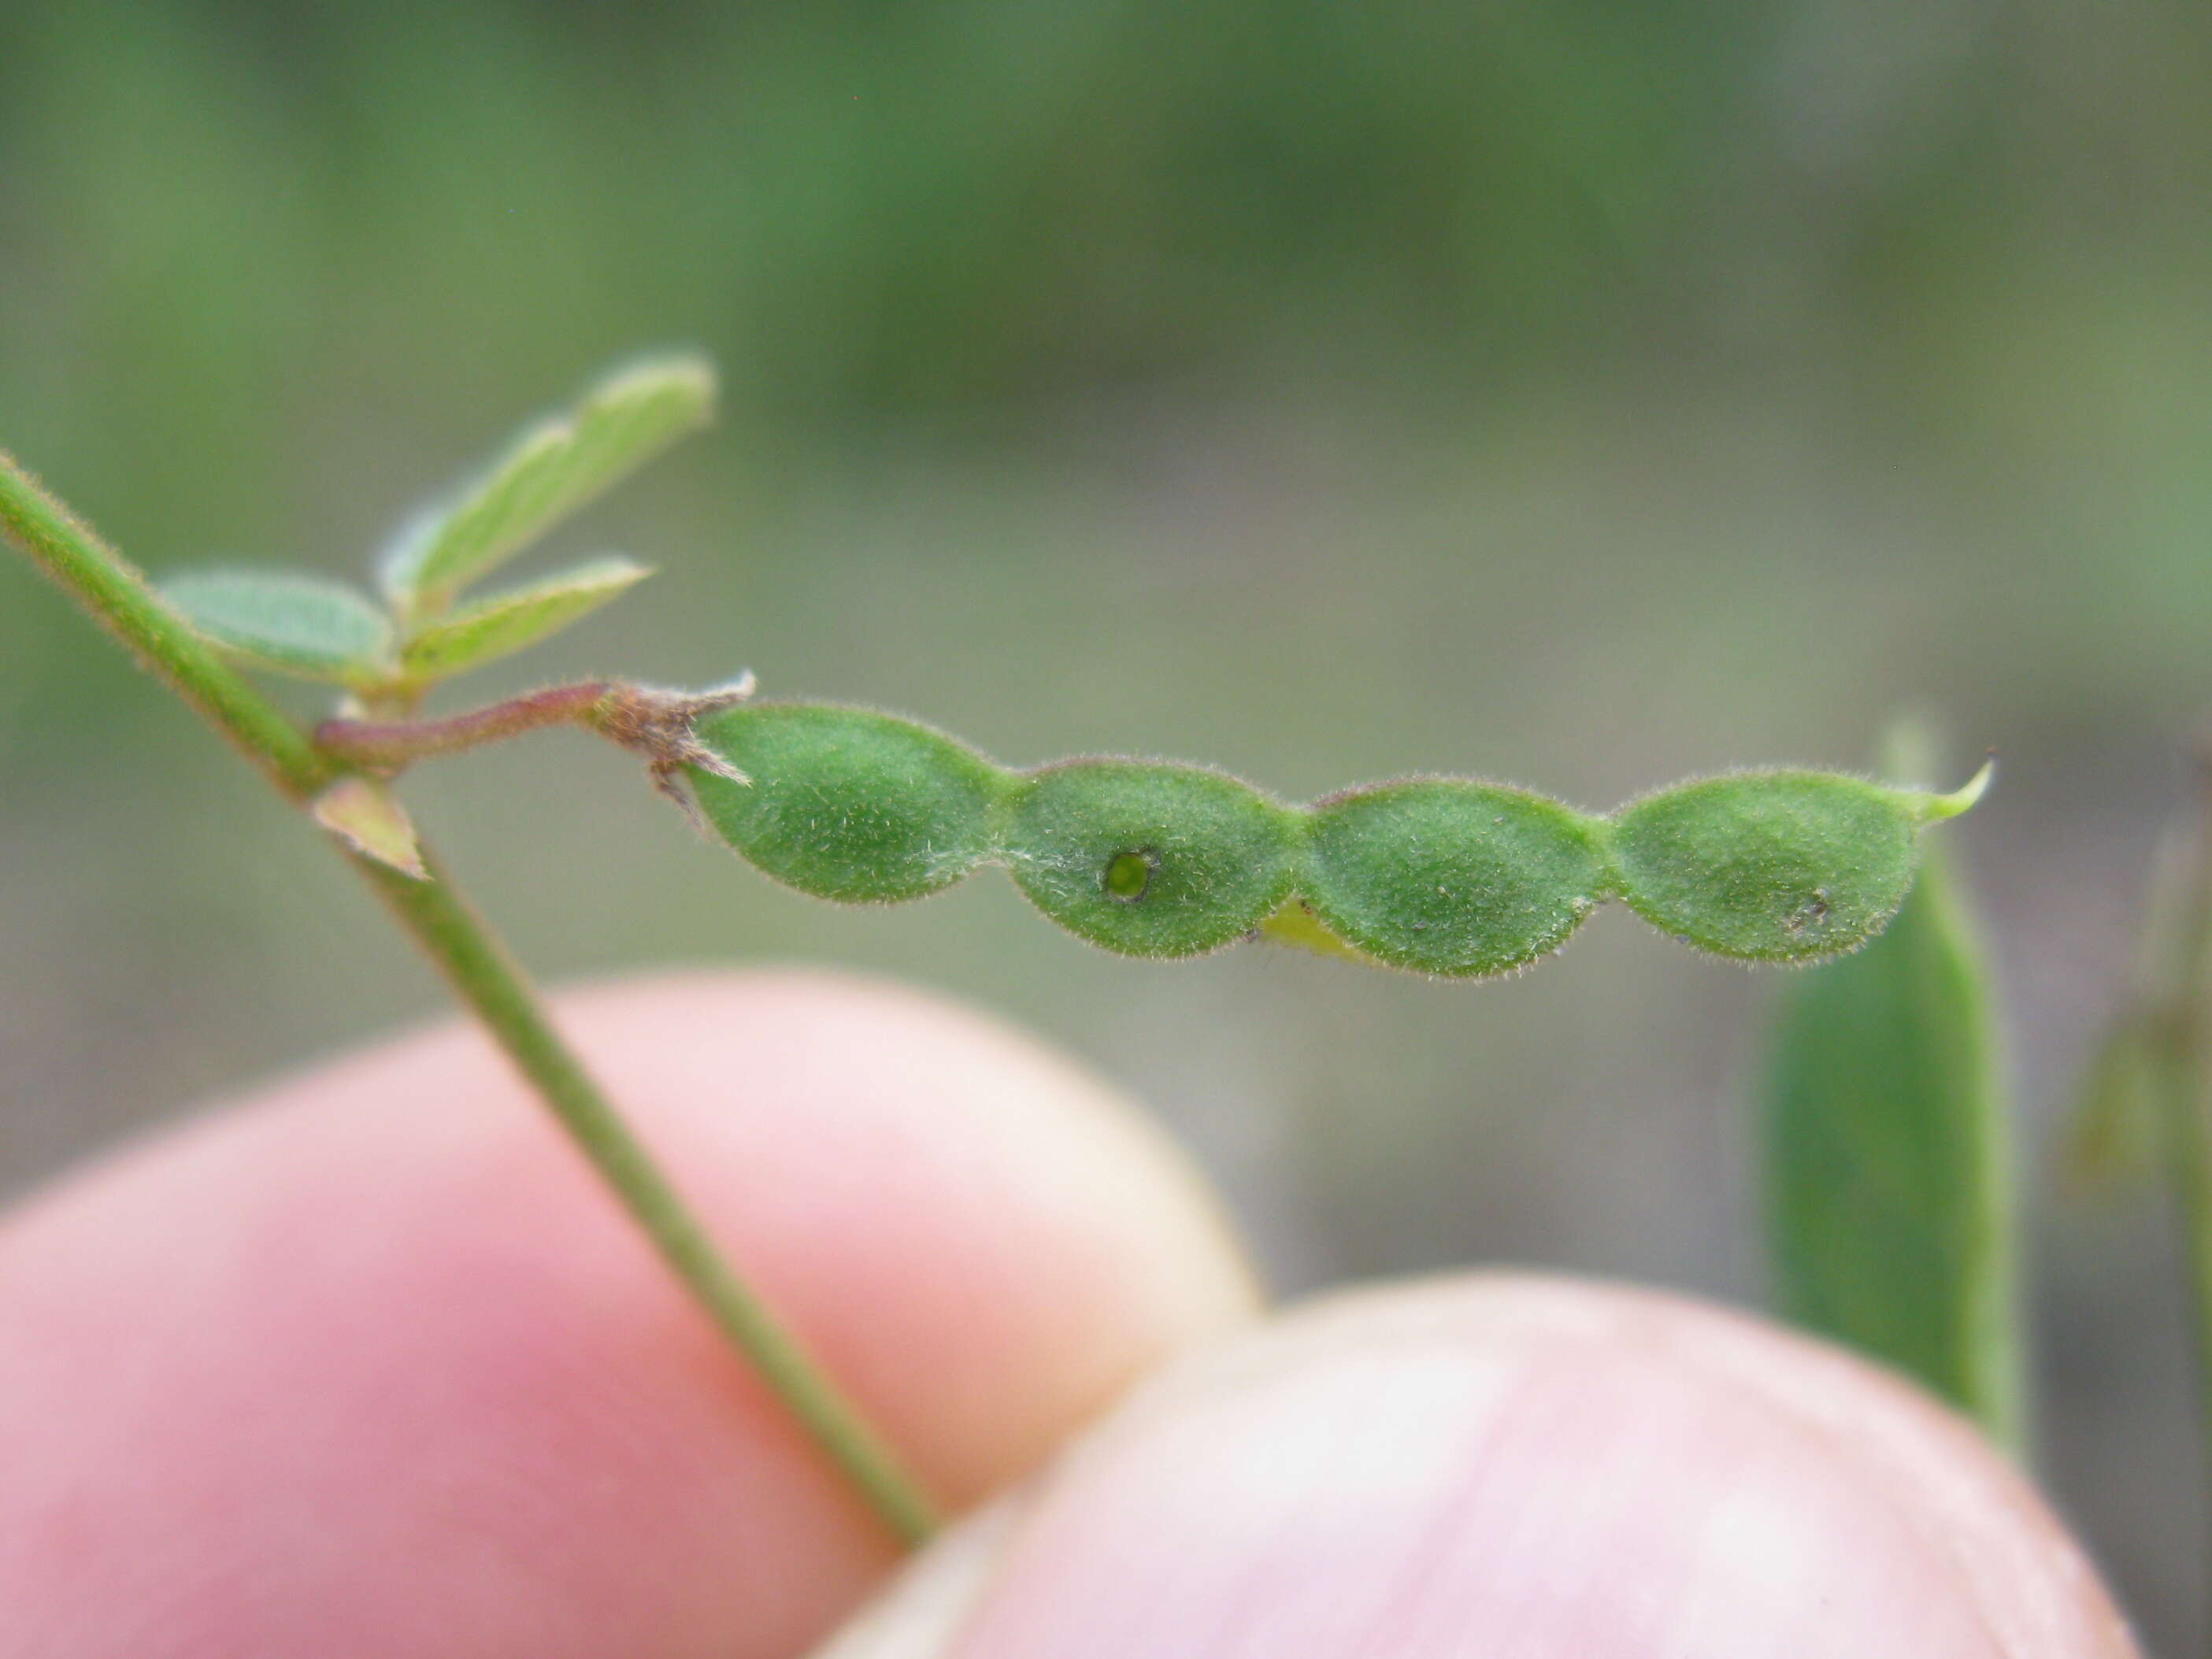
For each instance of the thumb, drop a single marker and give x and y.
(1514, 1468)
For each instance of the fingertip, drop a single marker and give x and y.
(951, 1203)
(375, 1357)
(1495, 1463)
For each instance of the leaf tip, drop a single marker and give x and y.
(689, 377)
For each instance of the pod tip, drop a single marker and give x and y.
(1934, 809)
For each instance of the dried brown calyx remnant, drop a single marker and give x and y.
(659, 724)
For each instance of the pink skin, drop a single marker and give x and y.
(1523, 1467)
(369, 1365)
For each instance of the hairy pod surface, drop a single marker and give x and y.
(1149, 858)
(1443, 876)
(849, 804)
(1449, 876)
(1771, 866)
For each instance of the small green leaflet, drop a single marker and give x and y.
(1888, 1159)
(551, 471)
(502, 623)
(288, 623)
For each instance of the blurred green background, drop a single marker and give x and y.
(1580, 393)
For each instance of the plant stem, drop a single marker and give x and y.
(388, 745)
(661, 725)
(481, 972)
(486, 977)
(119, 597)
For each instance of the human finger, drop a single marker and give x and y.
(373, 1365)
(1522, 1469)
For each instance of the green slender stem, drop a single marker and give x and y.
(485, 976)
(481, 972)
(119, 597)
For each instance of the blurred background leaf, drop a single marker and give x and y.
(1582, 394)
(1888, 1179)
(2111, 1136)
(2146, 1099)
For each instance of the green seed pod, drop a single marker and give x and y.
(1449, 876)
(1775, 866)
(849, 804)
(1439, 875)
(1148, 858)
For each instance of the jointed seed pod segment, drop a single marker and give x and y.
(1445, 876)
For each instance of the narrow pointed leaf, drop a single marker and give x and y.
(288, 623)
(1887, 1147)
(367, 817)
(2153, 1048)
(2112, 1137)
(551, 471)
(503, 623)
